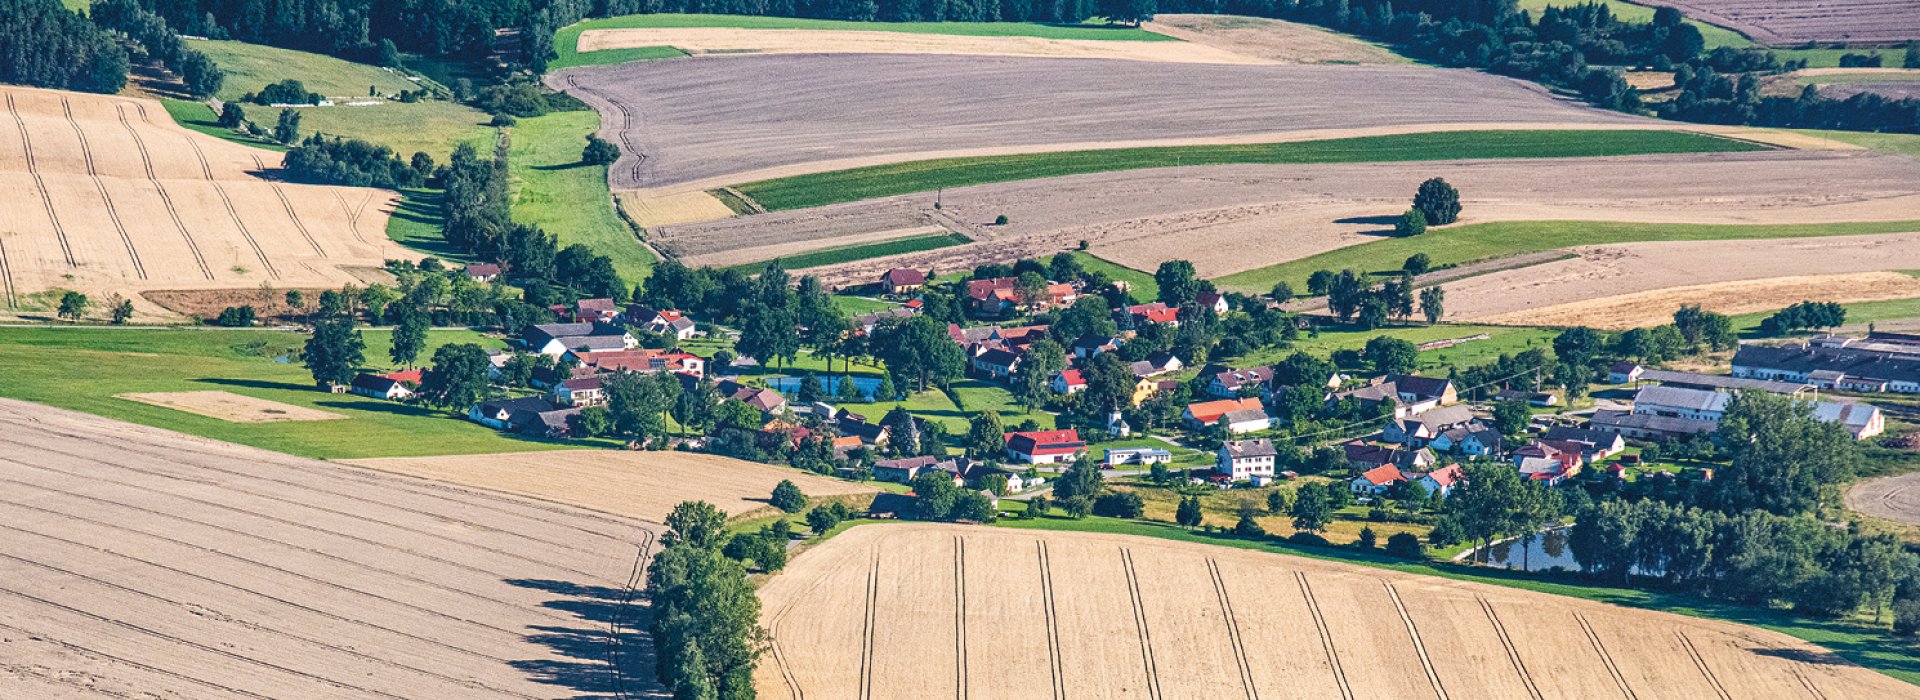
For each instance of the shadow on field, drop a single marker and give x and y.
(256, 384)
(562, 166)
(605, 653)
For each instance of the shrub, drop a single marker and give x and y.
(1906, 617)
(599, 151)
(1418, 264)
(1406, 546)
(286, 92)
(1438, 201)
(1309, 539)
(1248, 527)
(787, 497)
(1000, 220)
(1119, 504)
(1412, 223)
(235, 317)
(1367, 539)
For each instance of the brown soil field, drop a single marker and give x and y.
(1891, 497)
(1271, 40)
(1744, 276)
(736, 42)
(1797, 21)
(669, 210)
(116, 198)
(151, 564)
(230, 407)
(1232, 218)
(1641, 309)
(919, 610)
(692, 121)
(643, 485)
(1892, 89)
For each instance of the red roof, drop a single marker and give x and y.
(1383, 475)
(1447, 475)
(408, 375)
(1045, 442)
(1155, 312)
(1072, 377)
(901, 275)
(1210, 411)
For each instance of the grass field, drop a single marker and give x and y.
(435, 127)
(1830, 58)
(250, 67)
(568, 198)
(1716, 35)
(419, 224)
(812, 190)
(1143, 286)
(1501, 340)
(197, 116)
(1473, 242)
(82, 369)
(1748, 325)
(865, 251)
(567, 40)
(1897, 144)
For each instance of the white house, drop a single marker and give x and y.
(1137, 455)
(1068, 381)
(1378, 480)
(392, 387)
(1473, 438)
(1247, 460)
(1861, 420)
(1623, 371)
(1441, 481)
(1251, 420)
(1045, 446)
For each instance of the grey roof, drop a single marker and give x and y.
(1622, 420)
(1443, 416)
(1423, 387)
(528, 403)
(1695, 380)
(1797, 359)
(1234, 379)
(1251, 414)
(1850, 414)
(1675, 397)
(593, 342)
(1260, 447)
(1588, 435)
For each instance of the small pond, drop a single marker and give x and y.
(790, 386)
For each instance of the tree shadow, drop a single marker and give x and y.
(256, 384)
(563, 166)
(605, 653)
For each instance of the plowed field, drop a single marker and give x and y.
(895, 611)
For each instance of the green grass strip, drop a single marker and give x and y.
(865, 251)
(817, 189)
(554, 190)
(1464, 244)
(197, 116)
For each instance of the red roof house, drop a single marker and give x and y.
(1045, 446)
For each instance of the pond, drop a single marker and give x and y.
(791, 385)
(1543, 552)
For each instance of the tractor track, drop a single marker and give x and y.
(287, 204)
(1326, 636)
(616, 627)
(1233, 630)
(146, 161)
(1052, 615)
(206, 170)
(1513, 652)
(625, 133)
(353, 215)
(960, 617)
(217, 614)
(1601, 649)
(1701, 663)
(1147, 660)
(40, 183)
(1807, 683)
(6, 272)
(356, 516)
(288, 545)
(1439, 690)
(866, 634)
(86, 154)
(778, 623)
(86, 651)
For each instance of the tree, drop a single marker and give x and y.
(1417, 264)
(231, 115)
(639, 404)
(1189, 513)
(1031, 288)
(788, 497)
(389, 54)
(1281, 291)
(1783, 459)
(458, 377)
(919, 351)
(1405, 545)
(235, 316)
(334, 353)
(695, 524)
(120, 309)
(985, 436)
(1438, 202)
(691, 679)
(1128, 11)
(1412, 223)
(810, 390)
(1120, 504)
(1368, 540)
(1912, 58)
(599, 151)
(1044, 358)
(287, 130)
(1080, 480)
(1039, 505)
(1390, 355)
(1319, 282)
(1246, 526)
(73, 306)
(1110, 383)
(409, 338)
(1433, 304)
(1486, 503)
(1178, 283)
(1312, 512)
(1684, 42)
(1511, 417)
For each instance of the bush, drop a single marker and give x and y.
(235, 317)
(1406, 546)
(1119, 504)
(324, 161)
(502, 120)
(1446, 532)
(1367, 540)
(599, 151)
(286, 92)
(1308, 539)
(1417, 265)
(1412, 223)
(1000, 220)
(1248, 527)
(1438, 201)
(517, 100)
(787, 497)
(1906, 617)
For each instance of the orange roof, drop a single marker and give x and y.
(1383, 475)
(1210, 411)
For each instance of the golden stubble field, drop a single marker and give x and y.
(929, 611)
(108, 195)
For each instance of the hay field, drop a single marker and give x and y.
(1228, 219)
(112, 197)
(702, 122)
(1615, 311)
(144, 563)
(733, 41)
(1799, 21)
(1272, 40)
(643, 485)
(230, 407)
(891, 611)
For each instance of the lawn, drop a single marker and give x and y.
(197, 116)
(1716, 36)
(1143, 287)
(434, 127)
(1474, 242)
(250, 67)
(554, 190)
(83, 368)
(817, 189)
(419, 223)
(567, 40)
(865, 251)
(1870, 646)
(1501, 340)
(1897, 144)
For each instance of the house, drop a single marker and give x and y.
(672, 324)
(1241, 382)
(996, 363)
(1597, 444)
(1201, 415)
(1473, 438)
(1157, 364)
(1639, 426)
(1419, 429)
(558, 338)
(1537, 453)
(1155, 312)
(1251, 420)
(1377, 481)
(508, 414)
(580, 391)
(869, 434)
(902, 471)
(1675, 402)
(1362, 456)
(1045, 446)
(557, 423)
(1550, 471)
(1622, 372)
(865, 323)
(1441, 481)
(902, 280)
(596, 311)
(392, 386)
(483, 272)
(1212, 300)
(1137, 455)
(1247, 460)
(1407, 394)
(1067, 382)
(1086, 348)
(644, 361)
(997, 296)
(1540, 399)
(1861, 420)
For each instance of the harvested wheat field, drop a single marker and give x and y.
(1230, 218)
(925, 611)
(704, 120)
(643, 485)
(230, 407)
(137, 562)
(1616, 286)
(721, 40)
(1797, 21)
(1271, 40)
(113, 197)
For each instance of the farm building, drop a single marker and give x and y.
(1623, 371)
(1137, 455)
(508, 414)
(1420, 429)
(1045, 446)
(1716, 382)
(393, 386)
(1836, 364)
(1597, 444)
(1362, 456)
(559, 338)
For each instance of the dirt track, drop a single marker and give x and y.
(706, 117)
(1795, 21)
(1891, 497)
(1214, 216)
(155, 564)
(891, 611)
(109, 195)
